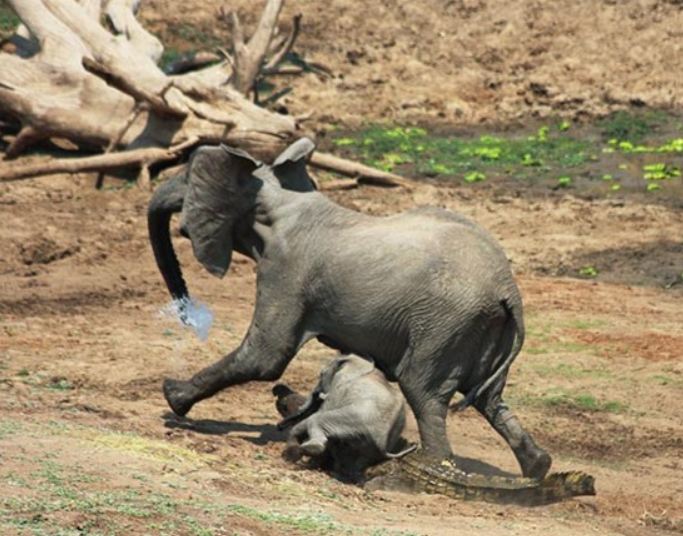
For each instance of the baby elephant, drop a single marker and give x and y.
(351, 420)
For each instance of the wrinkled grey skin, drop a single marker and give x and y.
(358, 422)
(428, 295)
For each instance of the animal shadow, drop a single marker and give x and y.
(258, 434)
(471, 465)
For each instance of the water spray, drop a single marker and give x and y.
(191, 313)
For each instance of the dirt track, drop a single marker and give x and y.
(86, 442)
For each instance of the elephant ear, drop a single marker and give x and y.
(215, 199)
(290, 166)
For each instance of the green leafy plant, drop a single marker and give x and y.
(672, 146)
(564, 182)
(588, 271)
(8, 19)
(474, 176)
(542, 134)
(660, 171)
(344, 142)
(389, 146)
(529, 160)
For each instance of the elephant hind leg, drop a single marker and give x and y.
(430, 413)
(533, 460)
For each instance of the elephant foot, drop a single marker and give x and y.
(313, 448)
(178, 395)
(292, 453)
(535, 463)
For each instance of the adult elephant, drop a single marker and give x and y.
(427, 294)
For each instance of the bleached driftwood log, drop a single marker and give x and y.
(70, 77)
(73, 78)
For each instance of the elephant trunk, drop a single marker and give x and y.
(167, 200)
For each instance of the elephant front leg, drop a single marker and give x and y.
(274, 337)
(258, 358)
(243, 365)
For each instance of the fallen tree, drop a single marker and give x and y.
(68, 76)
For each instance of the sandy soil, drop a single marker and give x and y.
(87, 445)
(463, 61)
(87, 440)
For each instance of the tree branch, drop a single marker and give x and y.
(136, 157)
(286, 47)
(365, 174)
(249, 57)
(121, 14)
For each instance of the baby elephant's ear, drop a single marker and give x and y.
(215, 199)
(290, 166)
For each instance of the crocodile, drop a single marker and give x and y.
(417, 472)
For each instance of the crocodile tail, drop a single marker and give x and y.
(514, 323)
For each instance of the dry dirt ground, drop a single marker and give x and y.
(462, 61)
(86, 442)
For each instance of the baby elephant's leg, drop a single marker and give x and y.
(317, 440)
(306, 437)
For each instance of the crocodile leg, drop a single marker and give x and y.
(534, 461)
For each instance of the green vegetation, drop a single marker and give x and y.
(560, 398)
(668, 379)
(169, 56)
(548, 336)
(660, 171)
(314, 523)
(556, 345)
(582, 323)
(588, 271)
(388, 148)
(560, 155)
(60, 384)
(8, 428)
(51, 493)
(8, 20)
(570, 371)
(624, 125)
(564, 182)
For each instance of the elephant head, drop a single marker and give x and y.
(346, 368)
(217, 195)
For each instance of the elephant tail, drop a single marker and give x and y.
(167, 200)
(513, 329)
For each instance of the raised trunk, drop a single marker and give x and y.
(166, 201)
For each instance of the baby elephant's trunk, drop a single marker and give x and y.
(292, 406)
